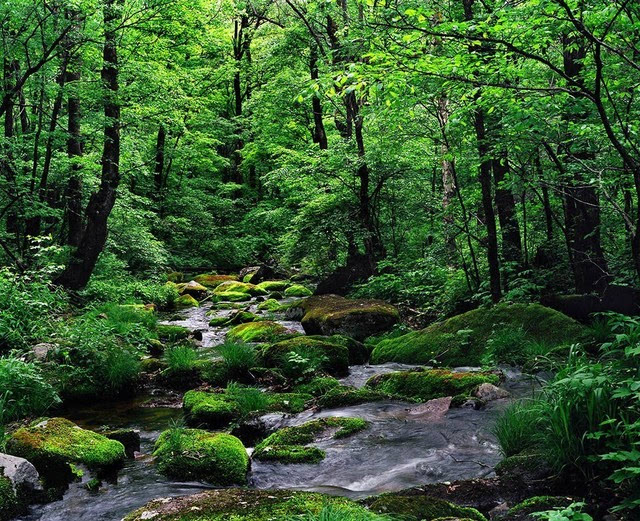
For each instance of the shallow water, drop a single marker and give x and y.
(405, 444)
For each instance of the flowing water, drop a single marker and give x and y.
(405, 444)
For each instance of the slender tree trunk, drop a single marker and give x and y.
(506, 205)
(582, 205)
(159, 161)
(83, 261)
(319, 134)
(74, 185)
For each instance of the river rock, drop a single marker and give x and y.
(22, 474)
(488, 392)
(41, 351)
(130, 438)
(336, 315)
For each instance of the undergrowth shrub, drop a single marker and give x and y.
(180, 358)
(247, 399)
(237, 358)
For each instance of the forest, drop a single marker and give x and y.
(320, 260)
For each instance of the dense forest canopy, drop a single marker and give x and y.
(246, 199)
(494, 145)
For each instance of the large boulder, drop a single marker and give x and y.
(462, 340)
(186, 301)
(23, 475)
(211, 280)
(192, 288)
(262, 331)
(334, 357)
(239, 287)
(254, 505)
(194, 454)
(53, 444)
(359, 319)
(429, 384)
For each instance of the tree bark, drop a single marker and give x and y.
(506, 205)
(159, 161)
(83, 261)
(319, 134)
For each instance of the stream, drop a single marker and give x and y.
(405, 445)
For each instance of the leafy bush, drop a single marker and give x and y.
(26, 392)
(571, 513)
(28, 310)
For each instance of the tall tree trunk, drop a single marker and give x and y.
(582, 205)
(83, 261)
(506, 205)
(319, 134)
(487, 206)
(159, 161)
(448, 176)
(74, 186)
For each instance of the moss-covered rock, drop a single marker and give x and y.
(334, 358)
(331, 314)
(318, 386)
(421, 508)
(232, 296)
(264, 331)
(186, 301)
(192, 288)
(175, 277)
(274, 285)
(358, 352)
(218, 321)
(289, 445)
(249, 505)
(297, 290)
(523, 511)
(53, 444)
(269, 305)
(194, 454)
(461, 340)
(242, 317)
(172, 333)
(220, 409)
(9, 504)
(239, 287)
(211, 280)
(344, 396)
(429, 384)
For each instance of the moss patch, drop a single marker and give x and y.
(269, 305)
(186, 301)
(522, 511)
(331, 314)
(248, 505)
(427, 385)
(265, 331)
(218, 458)
(274, 285)
(297, 290)
(289, 445)
(211, 280)
(335, 357)
(239, 287)
(232, 296)
(358, 352)
(422, 508)
(172, 333)
(318, 386)
(52, 444)
(461, 340)
(9, 504)
(220, 409)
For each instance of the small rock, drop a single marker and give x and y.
(23, 475)
(488, 392)
(41, 352)
(499, 511)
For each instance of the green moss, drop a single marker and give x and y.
(462, 340)
(186, 301)
(52, 444)
(427, 385)
(343, 396)
(243, 317)
(319, 386)
(331, 314)
(288, 445)
(265, 331)
(335, 357)
(358, 352)
(239, 287)
(219, 409)
(269, 305)
(9, 504)
(218, 458)
(274, 285)
(422, 508)
(175, 276)
(249, 505)
(537, 504)
(172, 333)
(211, 280)
(232, 296)
(297, 290)
(218, 321)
